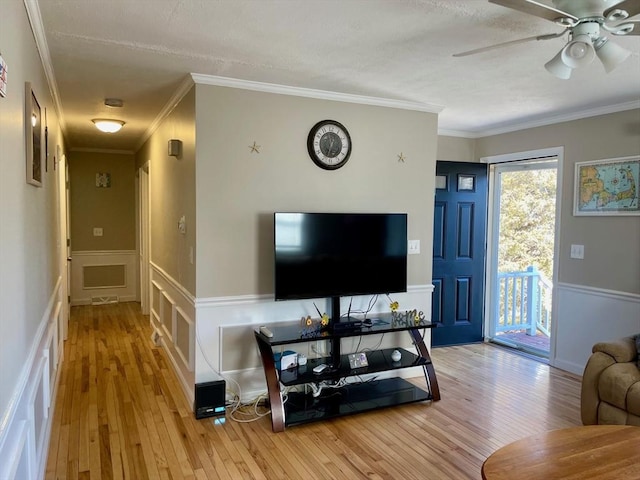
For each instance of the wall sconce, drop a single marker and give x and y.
(108, 126)
(174, 148)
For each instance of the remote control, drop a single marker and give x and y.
(320, 368)
(265, 331)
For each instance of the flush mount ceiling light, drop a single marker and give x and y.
(108, 125)
(586, 22)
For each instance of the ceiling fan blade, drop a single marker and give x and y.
(547, 36)
(632, 7)
(537, 9)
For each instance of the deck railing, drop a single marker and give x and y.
(524, 302)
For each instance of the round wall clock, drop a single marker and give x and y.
(329, 144)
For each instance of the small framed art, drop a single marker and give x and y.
(33, 136)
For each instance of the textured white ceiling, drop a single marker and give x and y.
(141, 51)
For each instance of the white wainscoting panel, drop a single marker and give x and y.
(83, 294)
(25, 431)
(172, 314)
(185, 335)
(167, 316)
(156, 296)
(588, 315)
(37, 411)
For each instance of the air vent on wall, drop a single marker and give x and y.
(104, 300)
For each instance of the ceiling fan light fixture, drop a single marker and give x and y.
(579, 52)
(556, 67)
(108, 125)
(610, 54)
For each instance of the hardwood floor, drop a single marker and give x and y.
(120, 413)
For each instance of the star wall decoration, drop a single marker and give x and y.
(401, 157)
(254, 148)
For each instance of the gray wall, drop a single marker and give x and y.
(29, 229)
(173, 193)
(111, 209)
(238, 191)
(456, 149)
(611, 244)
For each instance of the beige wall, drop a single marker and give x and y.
(29, 228)
(456, 149)
(173, 193)
(112, 209)
(611, 244)
(238, 191)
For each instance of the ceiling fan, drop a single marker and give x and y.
(587, 22)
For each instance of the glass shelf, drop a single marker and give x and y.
(379, 361)
(336, 402)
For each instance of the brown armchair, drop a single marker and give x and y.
(611, 384)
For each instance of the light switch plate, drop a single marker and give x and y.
(577, 251)
(97, 231)
(413, 247)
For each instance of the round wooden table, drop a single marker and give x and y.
(596, 451)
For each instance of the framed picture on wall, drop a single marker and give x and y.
(607, 187)
(33, 136)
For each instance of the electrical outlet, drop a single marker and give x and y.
(97, 231)
(413, 247)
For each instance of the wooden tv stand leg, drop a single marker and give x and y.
(273, 384)
(430, 372)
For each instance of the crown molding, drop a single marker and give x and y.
(541, 122)
(312, 93)
(445, 132)
(37, 27)
(178, 95)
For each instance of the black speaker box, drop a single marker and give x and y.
(210, 399)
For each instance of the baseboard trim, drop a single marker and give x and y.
(570, 367)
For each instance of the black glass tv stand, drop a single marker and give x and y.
(341, 393)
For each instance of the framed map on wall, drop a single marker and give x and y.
(607, 187)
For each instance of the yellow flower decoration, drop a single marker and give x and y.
(325, 320)
(416, 319)
(394, 306)
(309, 321)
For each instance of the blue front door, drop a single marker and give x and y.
(459, 240)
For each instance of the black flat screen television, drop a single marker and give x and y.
(339, 254)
